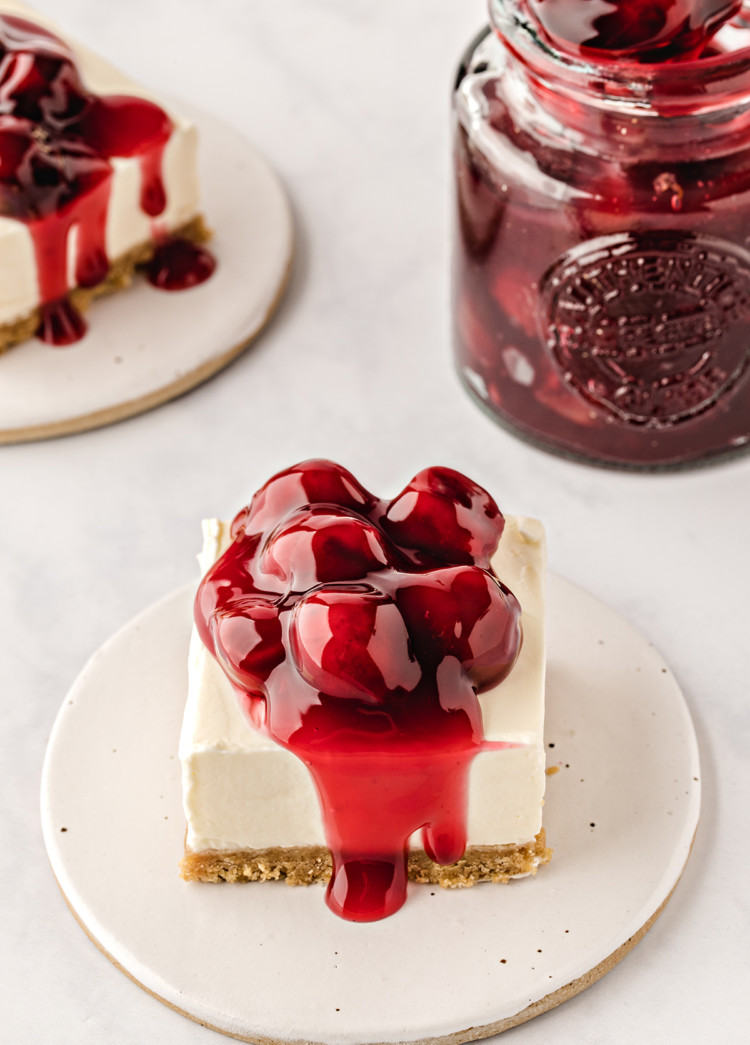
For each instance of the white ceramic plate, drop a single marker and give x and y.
(145, 346)
(271, 962)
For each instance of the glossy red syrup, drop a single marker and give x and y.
(56, 143)
(179, 264)
(644, 30)
(357, 633)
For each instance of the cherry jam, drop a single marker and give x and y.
(602, 258)
(357, 633)
(57, 140)
(644, 30)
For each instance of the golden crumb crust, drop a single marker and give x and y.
(304, 865)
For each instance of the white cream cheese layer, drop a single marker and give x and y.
(243, 791)
(127, 225)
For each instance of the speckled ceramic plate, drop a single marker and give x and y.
(271, 963)
(144, 346)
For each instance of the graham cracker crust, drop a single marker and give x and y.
(304, 865)
(121, 274)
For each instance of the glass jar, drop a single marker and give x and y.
(602, 257)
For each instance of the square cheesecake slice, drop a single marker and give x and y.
(251, 806)
(95, 173)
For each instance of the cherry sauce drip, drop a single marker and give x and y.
(178, 264)
(357, 633)
(56, 143)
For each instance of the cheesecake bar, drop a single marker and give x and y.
(96, 176)
(256, 812)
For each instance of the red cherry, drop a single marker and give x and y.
(38, 77)
(446, 516)
(321, 545)
(39, 173)
(466, 613)
(648, 30)
(308, 483)
(248, 642)
(351, 641)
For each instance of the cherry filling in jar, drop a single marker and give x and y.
(602, 261)
(357, 633)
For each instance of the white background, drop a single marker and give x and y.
(350, 101)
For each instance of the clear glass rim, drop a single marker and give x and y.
(704, 83)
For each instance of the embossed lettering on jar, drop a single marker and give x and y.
(602, 261)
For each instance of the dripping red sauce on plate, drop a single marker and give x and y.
(357, 633)
(57, 140)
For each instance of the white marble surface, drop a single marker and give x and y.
(349, 98)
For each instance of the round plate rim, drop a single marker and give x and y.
(216, 357)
